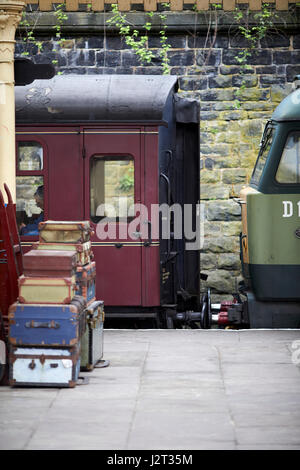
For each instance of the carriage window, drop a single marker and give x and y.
(289, 166)
(29, 187)
(30, 203)
(263, 153)
(30, 156)
(111, 187)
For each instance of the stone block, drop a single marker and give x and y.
(176, 42)
(228, 137)
(212, 229)
(267, 80)
(296, 41)
(48, 57)
(209, 115)
(244, 80)
(229, 261)
(208, 261)
(258, 57)
(257, 106)
(217, 95)
(279, 92)
(210, 176)
(215, 149)
(282, 57)
(66, 44)
(181, 58)
(201, 41)
(192, 83)
(222, 280)
(230, 161)
(231, 69)
(280, 39)
(96, 42)
(219, 244)
(237, 40)
(115, 43)
(129, 59)
(209, 163)
(252, 94)
(230, 229)
(235, 115)
(220, 81)
(148, 70)
(94, 71)
(292, 71)
(208, 57)
(223, 210)
(81, 57)
(73, 70)
(230, 176)
(86, 57)
(266, 69)
(213, 191)
(178, 70)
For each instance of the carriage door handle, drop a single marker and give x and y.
(149, 241)
(165, 177)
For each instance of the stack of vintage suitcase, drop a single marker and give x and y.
(56, 327)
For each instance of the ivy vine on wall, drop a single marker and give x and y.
(137, 41)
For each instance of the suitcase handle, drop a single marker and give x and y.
(37, 324)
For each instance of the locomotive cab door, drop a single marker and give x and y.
(112, 178)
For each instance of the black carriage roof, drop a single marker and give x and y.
(95, 98)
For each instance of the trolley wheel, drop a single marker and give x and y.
(205, 316)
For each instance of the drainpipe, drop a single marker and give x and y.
(10, 16)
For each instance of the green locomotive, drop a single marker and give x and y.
(269, 296)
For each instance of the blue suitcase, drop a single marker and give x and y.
(44, 367)
(50, 325)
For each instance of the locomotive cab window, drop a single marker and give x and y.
(289, 167)
(265, 146)
(111, 187)
(29, 187)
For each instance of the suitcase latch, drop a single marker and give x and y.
(32, 365)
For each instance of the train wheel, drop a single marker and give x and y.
(205, 317)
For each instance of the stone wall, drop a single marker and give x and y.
(232, 119)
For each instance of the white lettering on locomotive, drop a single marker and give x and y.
(287, 209)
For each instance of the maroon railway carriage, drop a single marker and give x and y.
(116, 140)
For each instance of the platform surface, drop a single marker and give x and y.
(168, 389)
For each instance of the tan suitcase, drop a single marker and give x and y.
(46, 290)
(52, 231)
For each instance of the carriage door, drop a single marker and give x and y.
(112, 178)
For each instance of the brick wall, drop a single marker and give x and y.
(232, 119)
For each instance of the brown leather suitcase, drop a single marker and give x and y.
(52, 231)
(49, 263)
(86, 281)
(83, 250)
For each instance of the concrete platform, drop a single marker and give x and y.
(168, 389)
